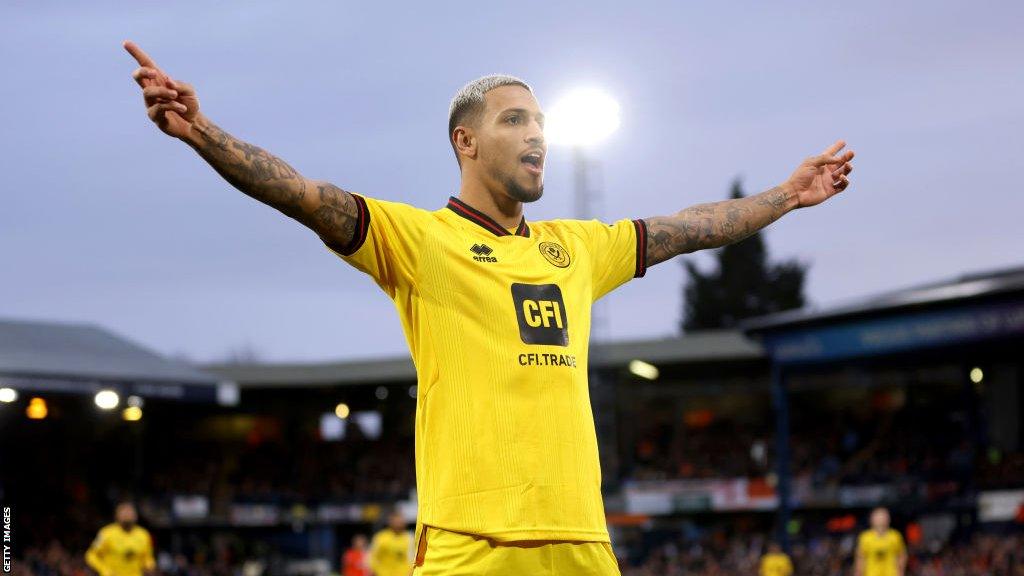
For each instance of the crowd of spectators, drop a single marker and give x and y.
(828, 449)
(981, 555)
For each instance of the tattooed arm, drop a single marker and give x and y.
(321, 206)
(174, 107)
(715, 224)
(719, 223)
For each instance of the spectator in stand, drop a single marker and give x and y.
(355, 562)
(775, 562)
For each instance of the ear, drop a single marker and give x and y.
(465, 141)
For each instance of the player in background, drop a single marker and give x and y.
(496, 312)
(122, 548)
(355, 561)
(391, 548)
(775, 562)
(880, 549)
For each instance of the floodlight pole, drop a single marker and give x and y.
(602, 390)
(780, 402)
(584, 198)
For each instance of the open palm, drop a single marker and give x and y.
(818, 178)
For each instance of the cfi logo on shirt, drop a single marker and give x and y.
(540, 311)
(555, 254)
(482, 253)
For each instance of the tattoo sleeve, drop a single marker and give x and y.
(329, 211)
(714, 225)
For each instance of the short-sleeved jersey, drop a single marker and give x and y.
(498, 323)
(775, 564)
(391, 553)
(881, 552)
(117, 552)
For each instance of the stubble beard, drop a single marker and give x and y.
(520, 193)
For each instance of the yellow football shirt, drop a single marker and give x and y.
(880, 551)
(391, 553)
(117, 552)
(775, 564)
(498, 324)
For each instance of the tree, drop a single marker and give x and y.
(743, 285)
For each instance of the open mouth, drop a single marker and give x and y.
(534, 162)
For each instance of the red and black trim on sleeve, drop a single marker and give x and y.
(483, 220)
(362, 226)
(641, 248)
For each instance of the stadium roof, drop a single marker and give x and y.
(81, 357)
(967, 287)
(707, 346)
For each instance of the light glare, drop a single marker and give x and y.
(107, 399)
(977, 375)
(132, 414)
(36, 409)
(8, 394)
(583, 117)
(342, 411)
(643, 369)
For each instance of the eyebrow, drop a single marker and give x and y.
(521, 111)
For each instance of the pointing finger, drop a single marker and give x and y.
(140, 56)
(833, 149)
(823, 160)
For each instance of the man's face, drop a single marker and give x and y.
(125, 515)
(880, 519)
(511, 147)
(397, 522)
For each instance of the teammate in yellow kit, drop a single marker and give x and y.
(496, 312)
(122, 548)
(880, 549)
(391, 549)
(775, 562)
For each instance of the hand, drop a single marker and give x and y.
(173, 106)
(820, 177)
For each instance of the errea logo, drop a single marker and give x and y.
(482, 253)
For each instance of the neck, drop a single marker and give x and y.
(502, 209)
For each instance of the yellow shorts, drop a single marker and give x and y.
(444, 553)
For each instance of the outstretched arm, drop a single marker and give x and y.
(174, 107)
(720, 223)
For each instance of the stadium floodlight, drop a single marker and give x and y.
(643, 369)
(107, 399)
(382, 393)
(8, 395)
(132, 414)
(342, 410)
(977, 375)
(135, 402)
(583, 117)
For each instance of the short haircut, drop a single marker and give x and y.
(468, 102)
